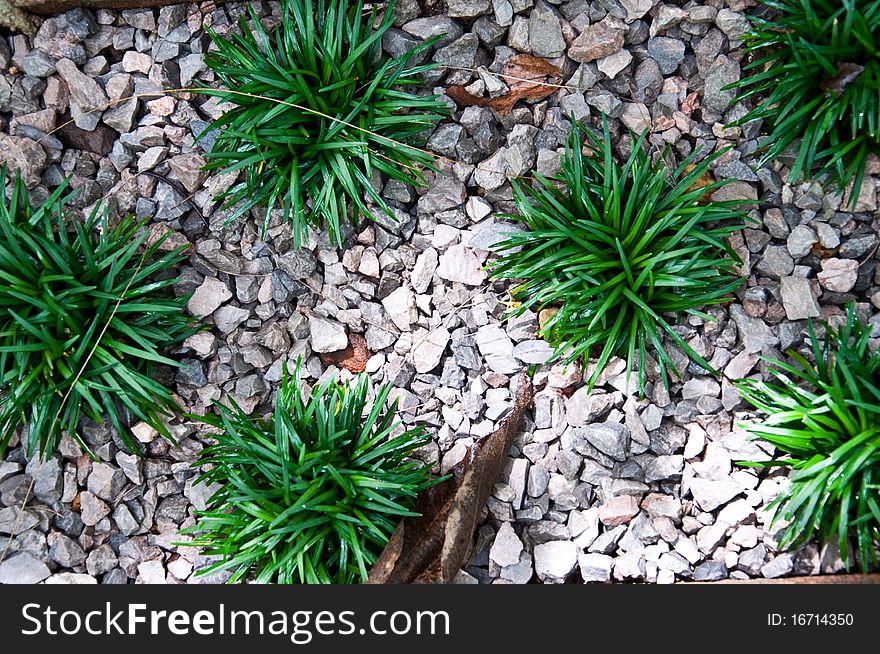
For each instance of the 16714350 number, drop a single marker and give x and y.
(810, 620)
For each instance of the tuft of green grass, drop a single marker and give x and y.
(84, 319)
(823, 417)
(313, 493)
(619, 250)
(318, 111)
(816, 68)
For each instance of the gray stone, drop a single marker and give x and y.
(132, 466)
(545, 32)
(735, 170)
(755, 333)
(710, 571)
(106, 481)
(446, 138)
(444, 193)
(227, 318)
(751, 561)
(723, 71)
(327, 335)
(46, 476)
(857, 247)
(797, 298)
(610, 438)
(667, 52)
(23, 568)
(431, 26)
(251, 386)
(635, 9)
(14, 520)
(122, 115)
(299, 264)
(776, 262)
(423, 271)
(698, 387)
(584, 406)
(38, 64)
(467, 8)
(664, 467)
(461, 52)
(605, 102)
(401, 308)
(64, 551)
(614, 63)
(125, 521)
(188, 169)
(199, 494)
(779, 566)
(800, 241)
(101, 560)
(497, 349)
(732, 23)
(191, 373)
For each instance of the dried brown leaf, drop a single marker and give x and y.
(527, 77)
(353, 358)
(432, 547)
(702, 181)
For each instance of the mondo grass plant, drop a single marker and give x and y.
(313, 493)
(83, 321)
(816, 67)
(823, 418)
(621, 252)
(318, 112)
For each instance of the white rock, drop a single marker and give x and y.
(533, 351)
(144, 432)
(401, 308)
(555, 560)
(507, 547)
(460, 264)
(712, 493)
(327, 335)
(839, 275)
(614, 63)
(428, 351)
(797, 298)
(423, 271)
(151, 572)
(595, 567)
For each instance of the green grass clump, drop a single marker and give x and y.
(816, 66)
(312, 494)
(83, 321)
(823, 417)
(620, 249)
(318, 111)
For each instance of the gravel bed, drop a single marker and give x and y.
(600, 486)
